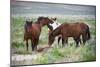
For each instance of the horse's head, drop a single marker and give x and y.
(44, 20)
(55, 24)
(28, 26)
(51, 39)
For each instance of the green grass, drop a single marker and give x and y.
(68, 54)
(84, 53)
(42, 59)
(23, 52)
(17, 45)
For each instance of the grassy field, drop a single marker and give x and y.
(56, 54)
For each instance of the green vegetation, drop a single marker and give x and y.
(56, 54)
(69, 54)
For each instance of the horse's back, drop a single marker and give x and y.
(71, 29)
(70, 26)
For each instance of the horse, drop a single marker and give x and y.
(86, 30)
(33, 30)
(74, 30)
(53, 26)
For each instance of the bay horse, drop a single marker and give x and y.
(74, 30)
(33, 30)
(53, 26)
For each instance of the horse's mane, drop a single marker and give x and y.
(40, 18)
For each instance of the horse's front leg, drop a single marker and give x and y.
(63, 41)
(27, 44)
(32, 44)
(59, 39)
(36, 43)
(77, 40)
(80, 41)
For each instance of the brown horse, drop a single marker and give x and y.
(74, 30)
(53, 26)
(33, 30)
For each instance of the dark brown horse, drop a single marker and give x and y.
(74, 30)
(33, 30)
(53, 26)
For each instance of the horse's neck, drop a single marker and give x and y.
(56, 32)
(40, 24)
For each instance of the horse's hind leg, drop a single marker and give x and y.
(77, 42)
(67, 40)
(84, 38)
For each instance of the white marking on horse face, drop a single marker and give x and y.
(55, 25)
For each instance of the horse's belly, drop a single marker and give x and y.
(74, 34)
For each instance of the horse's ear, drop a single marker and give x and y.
(55, 18)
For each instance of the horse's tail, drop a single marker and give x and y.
(88, 33)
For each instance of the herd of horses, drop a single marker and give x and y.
(62, 31)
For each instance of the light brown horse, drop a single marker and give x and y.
(74, 30)
(33, 30)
